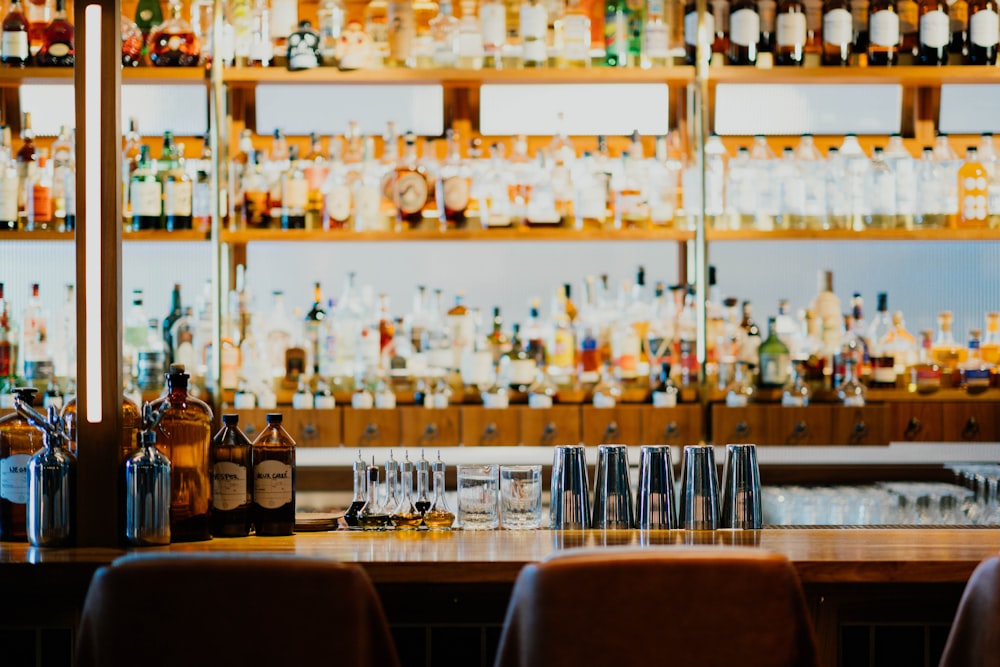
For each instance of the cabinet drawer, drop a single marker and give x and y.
(621, 424)
(423, 427)
(371, 428)
(680, 425)
(860, 426)
(252, 421)
(738, 425)
(558, 425)
(485, 426)
(969, 422)
(314, 428)
(807, 425)
(916, 422)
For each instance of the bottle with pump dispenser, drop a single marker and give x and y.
(51, 476)
(147, 487)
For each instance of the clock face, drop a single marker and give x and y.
(411, 192)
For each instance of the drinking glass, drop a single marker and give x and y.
(478, 497)
(521, 497)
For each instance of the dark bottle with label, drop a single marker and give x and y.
(19, 441)
(273, 457)
(14, 49)
(883, 33)
(744, 32)
(790, 40)
(176, 313)
(933, 33)
(983, 31)
(232, 490)
(185, 434)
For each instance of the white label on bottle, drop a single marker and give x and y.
(14, 44)
(657, 41)
(295, 194)
(284, 17)
(539, 401)
(884, 374)
(229, 485)
(456, 193)
(576, 38)
(691, 28)
(411, 192)
(534, 23)
(522, 371)
(744, 27)
(883, 28)
(362, 400)
(302, 401)
(8, 199)
(244, 400)
(495, 401)
(201, 200)
(854, 402)
(774, 368)
(324, 402)
(146, 198)
(735, 400)
(493, 23)
(470, 45)
(792, 29)
(385, 400)
(177, 198)
(602, 400)
(664, 399)
(338, 203)
(272, 484)
(14, 478)
(984, 28)
(837, 27)
(935, 29)
(792, 401)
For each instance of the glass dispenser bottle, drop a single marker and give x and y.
(405, 515)
(360, 492)
(439, 516)
(373, 515)
(423, 502)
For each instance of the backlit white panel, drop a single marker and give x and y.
(328, 109)
(50, 105)
(588, 109)
(970, 109)
(742, 109)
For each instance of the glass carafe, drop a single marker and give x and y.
(405, 515)
(373, 515)
(439, 516)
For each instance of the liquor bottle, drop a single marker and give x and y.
(859, 22)
(740, 390)
(975, 372)
(766, 9)
(990, 347)
(945, 351)
(145, 194)
(655, 36)
(14, 50)
(133, 43)
(664, 394)
(908, 11)
(185, 434)
(934, 33)
(984, 27)
(575, 35)
(273, 458)
(19, 440)
(313, 325)
(232, 486)
(411, 193)
(930, 205)
(518, 365)
(439, 516)
(63, 179)
(796, 392)
(148, 15)
(401, 34)
(201, 190)
(260, 51)
(56, 49)
(454, 183)
(151, 359)
(445, 34)
(826, 305)
(332, 19)
(533, 25)
(973, 191)
(744, 32)
(36, 359)
(10, 194)
(8, 341)
(851, 392)
(173, 43)
(925, 374)
(837, 33)
(691, 32)
(38, 196)
(883, 33)
(773, 360)
(881, 333)
(178, 193)
(175, 314)
(284, 19)
(958, 21)
(791, 33)
(880, 193)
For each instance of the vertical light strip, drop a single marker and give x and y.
(92, 207)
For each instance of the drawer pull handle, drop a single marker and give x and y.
(671, 431)
(913, 429)
(799, 432)
(309, 432)
(430, 433)
(490, 433)
(372, 432)
(611, 432)
(250, 430)
(860, 432)
(742, 430)
(549, 433)
(971, 430)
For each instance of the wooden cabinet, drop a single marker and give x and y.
(620, 424)
(252, 421)
(680, 425)
(738, 425)
(558, 425)
(969, 421)
(807, 425)
(314, 428)
(916, 421)
(371, 428)
(860, 426)
(423, 427)
(484, 426)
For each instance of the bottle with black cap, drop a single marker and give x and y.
(232, 489)
(273, 457)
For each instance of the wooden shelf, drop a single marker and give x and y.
(848, 235)
(36, 236)
(298, 235)
(10, 77)
(158, 235)
(910, 76)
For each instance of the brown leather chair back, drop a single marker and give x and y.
(974, 639)
(645, 607)
(234, 610)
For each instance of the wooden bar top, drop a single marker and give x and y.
(848, 555)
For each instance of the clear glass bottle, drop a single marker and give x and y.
(925, 374)
(608, 390)
(173, 42)
(542, 392)
(184, 435)
(740, 390)
(665, 392)
(851, 392)
(880, 193)
(946, 352)
(990, 347)
(796, 392)
(373, 515)
(232, 482)
(975, 373)
(405, 515)
(931, 206)
(439, 516)
(360, 485)
(273, 457)
(19, 441)
(881, 333)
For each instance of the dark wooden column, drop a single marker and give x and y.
(97, 80)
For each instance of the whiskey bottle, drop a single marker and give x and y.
(14, 50)
(410, 189)
(178, 194)
(519, 365)
(837, 33)
(145, 194)
(744, 32)
(185, 434)
(56, 48)
(973, 191)
(790, 41)
(38, 196)
(173, 42)
(232, 487)
(945, 351)
(273, 458)
(925, 374)
(883, 33)
(19, 440)
(983, 31)
(454, 185)
(401, 33)
(294, 194)
(773, 360)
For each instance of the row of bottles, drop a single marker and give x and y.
(396, 503)
(37, 185)
(37, 33)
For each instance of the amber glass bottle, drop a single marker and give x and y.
(983, 22)
(273, 457)
(934, 33)
(790, 41)
(19, 440)
(184, 436)
(837, 33)
(232, 488)
(883, 33)
(744, 32)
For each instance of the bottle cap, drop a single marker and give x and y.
(231, 420)
(26, 394)
(273, 418)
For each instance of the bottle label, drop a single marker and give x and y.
(470, 44)
(146, 198)
(854, 401)
(539, 401)
(59, 49)
(977, 377)
(774, 368)
(495, 401)
(411, 192)
(41, 203)
(934, 29)
(456, 193)
(883, 28)
(744, 27)
(272, 484)
(295, 194)
(385, 400)
(792, 401)
(14, 478)
(884, 374)
(229, 486)
(576, 38)
(522, 371)
(534, 23)
(664, 399)
(736, 400)
(691, 28)
(242, 400)
(14, 44)
(493, 23)
(177, 198)
(362, 400)
(338, 203)
(602, 400)
(792, 29)
(324, 402)
(657, 40)
(8, 199)
(563, 349)
(984, 28)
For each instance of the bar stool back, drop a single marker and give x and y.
(225, 610)
(672, 606)
(974, 639)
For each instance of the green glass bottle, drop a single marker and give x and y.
(623, 28)
(148, 15)
(773, 360)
